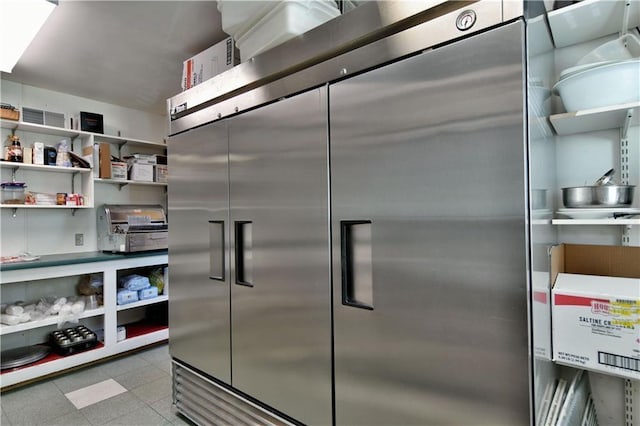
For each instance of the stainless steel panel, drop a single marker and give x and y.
(205, 402)
(357, 54)
(432, 151)
(281, 326)
(368, 23)
(199, 306)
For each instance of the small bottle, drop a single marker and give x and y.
(15, 150)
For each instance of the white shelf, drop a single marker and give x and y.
(34, 206)
(610, 117)
(141, 334)
(8, 329)
(12, 377)
(42, 129)
(129, 182)
(145, 339)
(607, 221)
(42, 168)
(145, 302)
(70, 133)
(589, 20)
(117, 140)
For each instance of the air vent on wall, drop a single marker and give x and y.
(38, 116)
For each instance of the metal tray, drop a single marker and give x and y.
(17, 357)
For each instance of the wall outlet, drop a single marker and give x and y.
(79, 239)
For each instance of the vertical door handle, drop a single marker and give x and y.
(216, 250)
(356, 260)
(243, 253)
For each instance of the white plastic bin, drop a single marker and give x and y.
(238, 16)
(287, 20)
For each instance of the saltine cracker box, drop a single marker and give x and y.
(596, 308)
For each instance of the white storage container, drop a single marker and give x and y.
(613, 83)
(238, 16)
(287, 20)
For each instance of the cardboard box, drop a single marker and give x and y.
(141, 172)
(38, 153)
(10, 114)
(209, 63)
(596, 308)
(161, 173)
(141, 159)
(105, 160)
(541, 314)
(90, 155)
(118, 170)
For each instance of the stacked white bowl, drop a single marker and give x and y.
(608, 75)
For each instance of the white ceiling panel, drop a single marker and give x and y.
(127, 53)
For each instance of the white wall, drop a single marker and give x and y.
(130, 122)
(52, 231)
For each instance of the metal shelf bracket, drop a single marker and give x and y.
(627, 123)
(624, 148)
(625, 17)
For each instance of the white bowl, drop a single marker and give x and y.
(609, 84)
(567, 72)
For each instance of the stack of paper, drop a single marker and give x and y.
(568, 403)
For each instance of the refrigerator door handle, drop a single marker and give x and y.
(356, 262)
(243, 252)
(216, 250)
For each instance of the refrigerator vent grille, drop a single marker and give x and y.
(206, 403)
(38, 116)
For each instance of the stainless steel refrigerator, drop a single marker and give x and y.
(250, 255)
(348, 243)
(428, 169)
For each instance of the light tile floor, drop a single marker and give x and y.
(146, 376)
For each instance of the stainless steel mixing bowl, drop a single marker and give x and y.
(600, 196)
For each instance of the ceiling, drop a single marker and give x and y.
(127, 53)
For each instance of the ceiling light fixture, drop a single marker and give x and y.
(22, 19)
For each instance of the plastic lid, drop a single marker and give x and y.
(13, 184)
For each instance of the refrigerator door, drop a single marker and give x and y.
(281, 304)
(428, 238)
(199, 306)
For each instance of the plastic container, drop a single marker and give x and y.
(611, 84)
(13, 192)
(238, 16)
(148, 293)
(126, 296)
(287, 20)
